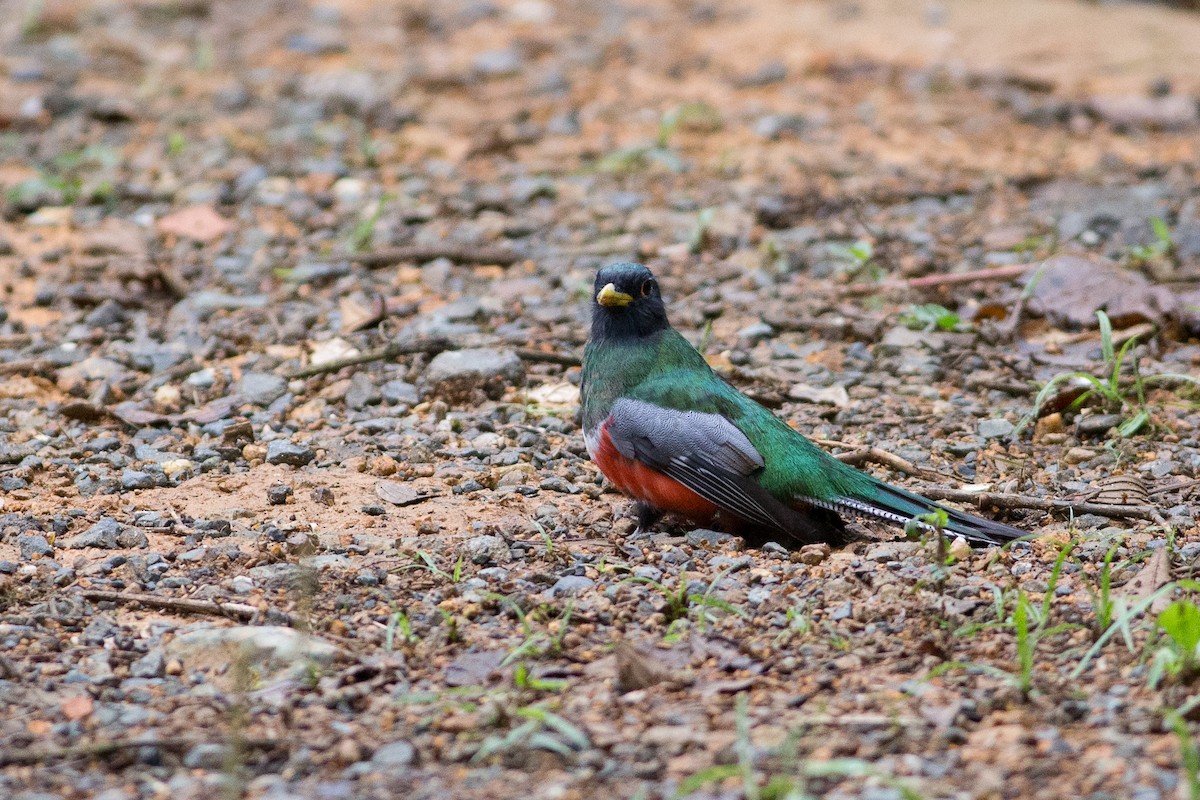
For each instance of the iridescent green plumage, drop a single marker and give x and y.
(634, 357)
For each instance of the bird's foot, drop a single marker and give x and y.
(647, 517)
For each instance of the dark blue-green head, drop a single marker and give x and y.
(626, 303)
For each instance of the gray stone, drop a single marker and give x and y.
(554, 483)
(756, 331)
(394, 754)
(648, 572)
(206, 755)
(485, 549)
(136, 479)
(893, 551)
(32, 545)
(343, 91)
(362, 392)
(497, 63)
(1095, 424)
(458, 375)
(261, 388)
(397, 392)
(150, 665)
(281, 451)
(776, 126)
(570, 585)
(703, 536)
(270, 652)
(995, 428)
(103, 535)
(130, 538)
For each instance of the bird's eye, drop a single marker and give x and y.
(647, 287)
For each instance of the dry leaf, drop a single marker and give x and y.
(200, 223)
(76, 707)
(331, 350)
(639, 670)
(1155, 574)
(398, 494)
(554, 395)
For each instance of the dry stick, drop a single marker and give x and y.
(432, 346)
(42, 755)
(1006, 272)
(1016, 501)
(542, 357)
(861, 455)
(240, 611)
(460, 254)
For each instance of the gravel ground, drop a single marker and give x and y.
(293, 498)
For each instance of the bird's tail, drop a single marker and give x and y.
(892, 504)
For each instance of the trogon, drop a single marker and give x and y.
(673, 435)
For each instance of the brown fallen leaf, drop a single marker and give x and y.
(199, 223)
(1072, 289)
(1154, 574)
(637, 669)
(77, 707)
(398, 494)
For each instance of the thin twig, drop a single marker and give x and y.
(1004, 273)
(43, 755)
(432, 346)
(460, 254)
(1018, 501)
(861, 455)
(239, 611)
(542, 357)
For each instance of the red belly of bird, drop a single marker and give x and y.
(649, 485)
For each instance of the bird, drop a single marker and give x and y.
(673, 435)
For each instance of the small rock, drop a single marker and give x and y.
(702, 536)
(242, 584)
(1077, 455)
(497, 63)
(177, 466)
(400, 392)
(959, 548)
(557, 484)
(394, 754)
(995, 428)
(893, 551)
(279, 494)
(206, 756)
(1172, 112)
(261, 388)
(151, 665)
(32, 545)
(136, 479)
(570, 585)
(270, 652)
(362, 392)
(648, 572)
(281, 451)
(103, 535)
(1095, 424)
(813, 554)
(457, 375)
(776, 126)
(485, 549)
(756, 332)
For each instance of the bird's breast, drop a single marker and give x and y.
(642, 482)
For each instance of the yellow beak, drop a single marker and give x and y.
(609, 297)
